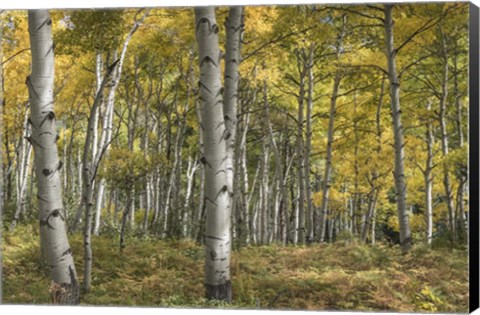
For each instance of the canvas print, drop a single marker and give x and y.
(302, 157)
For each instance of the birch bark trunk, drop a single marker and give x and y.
(98, 72)
(331, 122)
(278, 159)
(234, 26)
(53, 235)
(308, 145)
(372, 204)
(22, 172)
(399, 173)
(463, 178)
(428, 179)
(379, 149)
(300, 231)
(173, 183)
(148, 179)
(445, 146)
(265, 194)
(244, 229)
(328, 164)
(199, 233)
(191, 170)
(88, 175)
(217, 236)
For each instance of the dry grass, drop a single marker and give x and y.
(319, 277)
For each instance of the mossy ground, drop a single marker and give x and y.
(320, 277)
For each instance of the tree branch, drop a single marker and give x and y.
(14, 55)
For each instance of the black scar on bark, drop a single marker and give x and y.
(40, 198)
(47, 21)
(29, 120)
(203, 20)
(33, 142)
(221, 292)
(51, 115)
(46, 221)
(214, 237)
(44, 133)
(200, 84)
(68, 251)
(220, 124)
(214, 29)
(51, 49)
(46, 171)
(224, 189)
(212, 202)
(220, 171)
(208, 59)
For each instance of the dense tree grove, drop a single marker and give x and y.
(293, 125)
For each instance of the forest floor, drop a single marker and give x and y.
(163, 273)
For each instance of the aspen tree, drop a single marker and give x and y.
(399, 173)
(53, 235)
(217, 195)
(331, 123)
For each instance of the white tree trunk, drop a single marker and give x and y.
(233, 25)
(399, 173)
(53, 236)
(374, 216)
(88, 175)
(245, 228)
(444, 137)
(22, 173)
(328, 163)
(100, 189)
(331, 122)
(199, 233)
(308, 145)
(148, 178)
(217, 195)
(281, 196)
(265, 193)
(191, 170)
(98, 73)
(300, 217)
(463, 178)
(428, 178)
(98, 206)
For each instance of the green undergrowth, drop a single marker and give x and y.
(169, 273)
